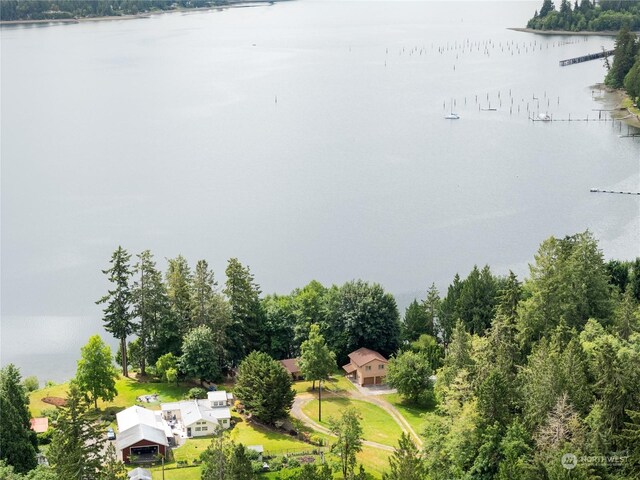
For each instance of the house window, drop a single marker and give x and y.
(198, 429)
(205, 429)
(225, 421)
(367, 368)
(381, 366)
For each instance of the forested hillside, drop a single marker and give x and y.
(587, 15)
(61, 9)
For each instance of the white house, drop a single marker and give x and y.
(200, 417)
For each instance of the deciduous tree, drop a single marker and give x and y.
(349, 441)
(95, 374)
(200, 355)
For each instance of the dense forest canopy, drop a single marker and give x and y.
(62, 9)
(587, 15)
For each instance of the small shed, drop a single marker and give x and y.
(139, 474)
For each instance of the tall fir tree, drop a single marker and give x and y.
(118, 317)
(77, 447)
(416, 322)
(406, 462)
(17, 440)
(178, 282)
(316, 360)
(247, 326)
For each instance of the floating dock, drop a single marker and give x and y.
(586, 58)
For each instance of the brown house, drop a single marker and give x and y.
(291, 365)
(367, 367)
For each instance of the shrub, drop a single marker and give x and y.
(196, 393)
(317, 440)
(44, 438)
(50, 413)
(294, 463)
(31, 384)
(257, 467)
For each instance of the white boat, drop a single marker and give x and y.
(545, 117)
(452, 116)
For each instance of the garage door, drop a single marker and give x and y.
(146, 450)
(368, 381)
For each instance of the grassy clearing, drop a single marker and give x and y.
(128, 390)
(377, 425)
(336, 383)
(414, 415)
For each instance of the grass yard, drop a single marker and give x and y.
(377, 425)
(336, 383)
(128, 389)
(412, 414)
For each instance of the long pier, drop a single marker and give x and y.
(586, 58)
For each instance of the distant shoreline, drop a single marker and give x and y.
(231, 4)
(604, 33)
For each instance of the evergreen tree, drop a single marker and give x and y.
(264, 387)
(494, 399)
(117, 313)
(448, 313)
(200, 355)
(76, 451)
(151, 307)
(416, 322)
(17, 440)
(475, 306)
(113, 469)
(432, 306)
(458, 357)
(247, 326)
(239, 465)
(430, 349)
(95, 374)
(627, 316)
(515, 452)
(406, 462)
(624, 55)
(178, 281)
(215, 459)
(547, 7)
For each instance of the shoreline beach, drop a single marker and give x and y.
(604, 33)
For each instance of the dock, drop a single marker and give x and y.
(586, 58)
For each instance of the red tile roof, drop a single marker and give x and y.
(291, 364)
(362, 356)
(40, 424)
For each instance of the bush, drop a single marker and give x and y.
(257, 467)
(276, 464)
(44, 438)
(293, 463)
(31, 384)
(196, 393)
(317, 440)
(50, 413)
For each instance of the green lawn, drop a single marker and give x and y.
(377, 425)
(128, 389)
(336, 383)
(412, 414)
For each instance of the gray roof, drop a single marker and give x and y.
(139, 474)
(139, 432)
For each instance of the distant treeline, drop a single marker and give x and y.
(63, 9)
(587, 16)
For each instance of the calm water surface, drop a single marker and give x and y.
(305, 138)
